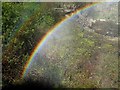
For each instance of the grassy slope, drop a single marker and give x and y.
(93, 63)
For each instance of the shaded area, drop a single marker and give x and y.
(29, 85)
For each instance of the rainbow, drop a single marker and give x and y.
(45, 37)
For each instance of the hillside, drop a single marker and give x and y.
(81, 52)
